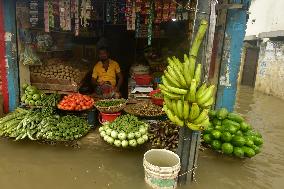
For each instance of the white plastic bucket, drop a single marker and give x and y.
(161, 168)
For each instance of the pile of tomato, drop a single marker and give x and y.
(76, 102)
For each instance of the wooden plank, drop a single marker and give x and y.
(56, 87)
(230, 6)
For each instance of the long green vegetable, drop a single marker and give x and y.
(42, 125)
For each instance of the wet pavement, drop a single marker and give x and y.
(94, 164)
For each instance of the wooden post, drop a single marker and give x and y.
(189, 140)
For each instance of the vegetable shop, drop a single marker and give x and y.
(124, 67)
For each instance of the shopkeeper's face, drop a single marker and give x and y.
(103, 55)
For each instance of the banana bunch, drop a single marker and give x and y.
(187, 101)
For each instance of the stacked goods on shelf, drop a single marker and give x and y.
(231, 135)
(186, 102)
(57, 74)
(42, 124)
(164, 135)
(76, 102)
(125, 131)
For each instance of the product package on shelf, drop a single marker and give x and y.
(34, 17)
(75, 15)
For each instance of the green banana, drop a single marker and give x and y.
(194, 127)
(191, 68)
(163, 87)
(206, 123)
(170, 95)
(180, 109)
(168, 103)
(201, 90)
(209, 102)
(178, 75)
(169, 114)
(186, 71)
(201, 117)
(179, 122)
(176, 90)
(175, 108)
(173, 75)
(191, 94)
(186, 110)
(170, 78)
(178, 63)
(197, 75)
(207, 95)
(194, 111)
(168, 82)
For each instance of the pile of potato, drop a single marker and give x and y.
(57, 72)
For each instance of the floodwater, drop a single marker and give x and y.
(94, 164)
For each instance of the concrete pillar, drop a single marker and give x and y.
(231, 55)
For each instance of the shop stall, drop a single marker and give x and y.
(162, 99)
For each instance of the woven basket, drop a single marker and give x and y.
(111, 109)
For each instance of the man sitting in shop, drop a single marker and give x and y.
(106, 76)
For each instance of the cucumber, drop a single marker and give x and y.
(235, 117)
(222, 113)
(212, 114)
(227, 122)
(216, 122)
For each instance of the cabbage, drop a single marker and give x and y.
(142, 130)
(108, 131)
(106, 138)
(124, 143)
(130, 135)
(133, 143)
(101, 129)
(122, 136)
(137, 134)
(140, 140)
(145, 137)
(110, 140)
(117, 143)
(103, 133)
(113, 134)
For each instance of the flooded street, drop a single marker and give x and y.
(31, 165)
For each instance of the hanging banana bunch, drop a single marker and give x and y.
(187, 101)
